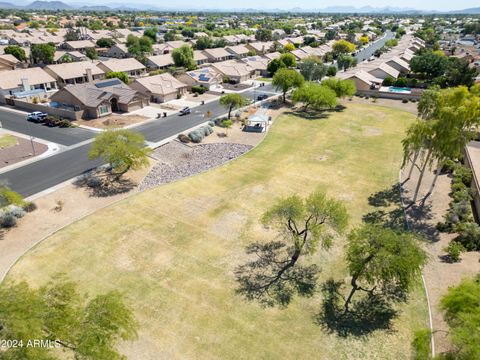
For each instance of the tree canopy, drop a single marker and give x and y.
(87, 329)
(315, 96)
(16, 51)
(312, 68)
(286, 80)
(183, 57)
(232, 101)
(342, 88)
(121, 149)
(118, 75)
(43, 53)
(343, 47)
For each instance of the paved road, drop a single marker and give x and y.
(43, 174)
(365, 53)
(65, 136)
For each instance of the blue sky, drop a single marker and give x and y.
(288, 4)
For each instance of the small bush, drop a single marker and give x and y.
(464, 174)
(94, 182)
(449, 166)
(211, 123)
(454, 250)
(8, 197)
(207, 130)
(16, 211)
(183, 138)
(469, 236)
(7, 220)
(461, 195)
(196, 136)
(198, 89)
(404, 101)
(29, 206)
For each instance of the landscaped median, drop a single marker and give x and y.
(172, 250)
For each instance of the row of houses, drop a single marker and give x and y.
(370, 75)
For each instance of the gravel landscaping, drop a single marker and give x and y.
(177, 161)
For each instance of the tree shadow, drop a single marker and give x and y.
(315, 114)
(104, 185)
(269, 279)
(384, 198)
(366, 315)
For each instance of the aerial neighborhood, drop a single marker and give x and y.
(266, 182)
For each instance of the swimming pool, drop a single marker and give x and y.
(399, 90)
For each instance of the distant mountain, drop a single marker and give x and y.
(468, 11)
(86, 6)
(48, 5)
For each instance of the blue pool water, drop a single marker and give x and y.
(400, 90)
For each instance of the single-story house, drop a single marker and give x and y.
(299, 54)
(257, 64)
(238, 51)
(199, 57)
(383, 71)
(132, 67)
(159, 49)
(8, 62)
(364, 80)
(407, 55)
(398, 64)
(118, 51)
(260, 47)
(100, 99)
(472, 160)
(235, 71)
(79, 45)
(61, 56)
(207, 77)
(217, 54)
(25, 80)
(160, 88)
(273, 55)
(75, 73)
(160, 61)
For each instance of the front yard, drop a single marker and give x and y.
(172, 250)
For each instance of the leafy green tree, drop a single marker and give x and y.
(42, 53)
(312, 68)
(345, 62)
(429, 64)
(183, 57)
(462, 313)
(91, 53)
(84, 329)
(232, 101)
(289, 47)
(72, 35)
(227, 124)
(343, 47)
(459, 72)
(263, 35)
(286, 80)
(105, 42)
(204, 42)
(151, 33)
(118, 75)
(16, 51)
(145, 44)
(342, 88)
(274, 65)
(289, 60)
(316, 96)
(276, 274)
(170, 36)
(382, 261)
(121, 149)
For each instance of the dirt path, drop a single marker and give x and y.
(439, 275)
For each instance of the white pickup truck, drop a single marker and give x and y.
(37, 116)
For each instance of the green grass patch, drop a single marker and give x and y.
(172, 250)
(7, 141)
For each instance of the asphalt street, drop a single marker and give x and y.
(367, 52)
(45, 173)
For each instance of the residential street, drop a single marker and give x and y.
(45, 173)
(364, 54)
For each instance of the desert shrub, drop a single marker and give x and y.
(196, 136)
(463, 174)
(454, 250)
(198, 89)
(461, 195)
(94, 182)
(64, 123)
(469, 236)
(183, 138)
(449, 166)
(207, 130)
(8, 197)
(7, 220)
(15, 210)
(211, 123)
(404, 101)
(29, 206)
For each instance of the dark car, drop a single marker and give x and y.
(185, 111)
(37, 116)
(262, 97)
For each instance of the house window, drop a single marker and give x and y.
(103, 109)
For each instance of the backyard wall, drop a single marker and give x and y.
(62, 113)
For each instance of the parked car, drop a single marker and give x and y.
(37, 116)
(185, 111)
(262, 97)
